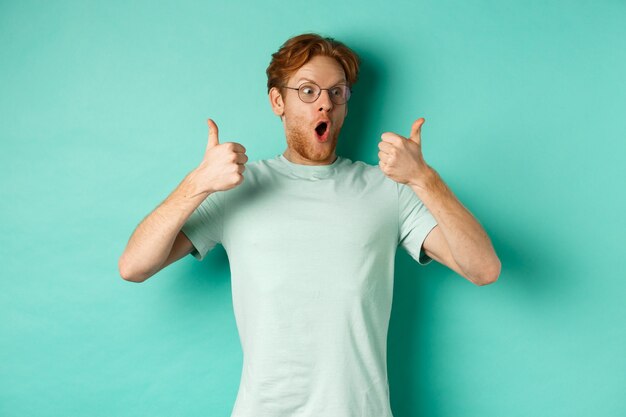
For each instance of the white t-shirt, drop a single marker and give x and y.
(311, 252)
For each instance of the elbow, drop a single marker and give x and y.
(490, 274)
(127, 273)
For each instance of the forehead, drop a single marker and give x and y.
(321, 69)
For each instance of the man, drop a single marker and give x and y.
(311, 239)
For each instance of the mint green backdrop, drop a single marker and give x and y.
(103, 110)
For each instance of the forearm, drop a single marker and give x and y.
(151, 242)
(469, 244)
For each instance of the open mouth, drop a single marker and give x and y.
(322, 131)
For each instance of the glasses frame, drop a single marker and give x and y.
(332, 98)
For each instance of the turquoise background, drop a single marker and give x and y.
(103, 111)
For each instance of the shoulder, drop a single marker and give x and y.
(363, 179)
(368, 172)
(259, 168)
(374, 178)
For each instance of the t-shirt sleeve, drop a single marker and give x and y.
(415, 223)
(204, 227)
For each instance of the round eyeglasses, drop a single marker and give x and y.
(309, 92)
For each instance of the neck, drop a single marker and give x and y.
(297, 159)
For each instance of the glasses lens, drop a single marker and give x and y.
(339, 94)
(309, 92)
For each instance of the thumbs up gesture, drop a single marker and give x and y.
(401, 158)
(223, 164)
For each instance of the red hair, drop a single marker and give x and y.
(299, 50)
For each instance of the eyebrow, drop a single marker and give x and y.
(342, 81)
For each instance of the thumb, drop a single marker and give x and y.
(416, 130)
(213, 135)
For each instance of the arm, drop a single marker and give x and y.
(458, 241)
(158, 240)
(436, 247)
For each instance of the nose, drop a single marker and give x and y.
(324, 101)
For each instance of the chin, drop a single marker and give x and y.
(309, 148)
(317, 155)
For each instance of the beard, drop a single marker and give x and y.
(301, 139)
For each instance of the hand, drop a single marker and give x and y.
(223, 164)
(401, 159)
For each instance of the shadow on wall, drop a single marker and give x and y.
(212, 272)
(358, 124)
(408, 351)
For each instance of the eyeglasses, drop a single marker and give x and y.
(309, 92)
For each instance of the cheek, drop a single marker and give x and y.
(295, 114)
(294, 122)
(338, 122)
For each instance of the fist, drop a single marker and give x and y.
(401, 158)
(223, 164)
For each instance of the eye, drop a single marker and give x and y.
(337, 91)
(308, 90)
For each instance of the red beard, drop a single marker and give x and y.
(302, 139)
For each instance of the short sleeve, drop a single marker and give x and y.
(204, 227)
(415, 223)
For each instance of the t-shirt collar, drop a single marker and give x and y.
(309, 171)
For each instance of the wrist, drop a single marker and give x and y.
(192, 188)
(424, 181)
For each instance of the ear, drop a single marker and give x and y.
(276, 101)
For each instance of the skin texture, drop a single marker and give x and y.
(299, 118)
